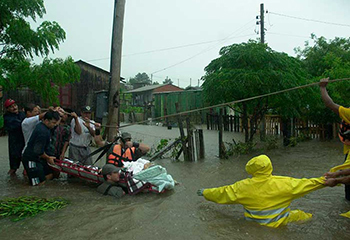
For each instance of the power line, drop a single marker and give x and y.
(171, 48)
(98, 59)
(310, 20)
(289, 35)
(206, 50)
(182, 46)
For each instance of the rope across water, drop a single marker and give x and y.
(228, 103)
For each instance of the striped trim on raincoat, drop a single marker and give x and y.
(267, 216)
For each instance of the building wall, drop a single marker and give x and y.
(82, 93)
(164, 103)
(91, 80)
(73, 96)
(142, 98)
(146, 97)
(24, 96)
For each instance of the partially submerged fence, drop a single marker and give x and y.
(230, 123)
(275, 126)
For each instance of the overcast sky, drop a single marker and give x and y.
(183, 36)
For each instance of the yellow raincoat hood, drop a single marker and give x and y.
(265, 197)
(259, 166)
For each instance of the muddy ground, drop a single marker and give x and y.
(181, 214)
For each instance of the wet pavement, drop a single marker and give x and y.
(181, 214)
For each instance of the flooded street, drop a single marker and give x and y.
(181, 214)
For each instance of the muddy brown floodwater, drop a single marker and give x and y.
(181, 214)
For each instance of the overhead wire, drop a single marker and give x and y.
(289, 35)
(159, 50)
(204, 51)
(310, 20)
(220, 41)
(170, 48)
(268, 19)
(182, 46)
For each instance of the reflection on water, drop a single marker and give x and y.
(181, 214)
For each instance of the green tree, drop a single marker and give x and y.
(19, 44)
(251, 69)
(140, 78)
(167, 81)
(327, 58)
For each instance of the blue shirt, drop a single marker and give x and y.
(12, 124)
(38, 143)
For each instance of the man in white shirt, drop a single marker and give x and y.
(83, 131)
(33, 117)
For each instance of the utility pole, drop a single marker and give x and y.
(262, 28)
(262, 40)
(115, 66)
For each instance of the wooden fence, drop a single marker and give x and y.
(230, 123)
(274, 126)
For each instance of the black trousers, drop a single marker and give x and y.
(347, 187)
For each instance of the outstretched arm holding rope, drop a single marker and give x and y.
(98, 138)
(326, 98)
(332, 179)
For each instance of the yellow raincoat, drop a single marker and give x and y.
(266, 198)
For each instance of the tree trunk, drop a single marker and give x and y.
(245, 122)
(252, 128)
(286, 131)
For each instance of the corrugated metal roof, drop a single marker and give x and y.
(146, 88)
(90, 65)
(99, 69)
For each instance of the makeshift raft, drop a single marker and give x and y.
(91, 173)
(153, 179)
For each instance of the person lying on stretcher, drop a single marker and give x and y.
(138, 174)
(119, 181)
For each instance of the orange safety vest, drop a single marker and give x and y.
(118, 155)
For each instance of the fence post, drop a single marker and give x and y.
(196, 144)
(201, 144)
(182, 134)
(208, 119)
(263, 128)
(221, 143)
(190, 147)
(224, 120)
(334, 125)
(236, 123)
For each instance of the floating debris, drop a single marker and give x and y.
(28, 206)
